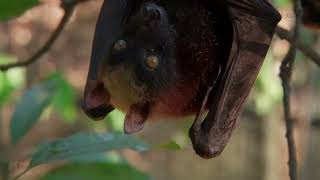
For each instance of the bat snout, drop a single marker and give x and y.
(97, 113)
(96, 101)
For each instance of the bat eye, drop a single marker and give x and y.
(152, 62)
(120, 45)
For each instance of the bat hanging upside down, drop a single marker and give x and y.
(159, 59)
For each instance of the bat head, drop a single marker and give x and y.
(139, 63)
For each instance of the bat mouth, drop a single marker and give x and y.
(95, 103)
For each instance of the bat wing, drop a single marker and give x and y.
(253, 24)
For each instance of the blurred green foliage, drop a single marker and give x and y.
(115, 120)
(281, 3)
(64, 99)
(13, 8)
(96, 171)
(172, 145)
(268, 91)
(55, 91)
(29, 108)
(10, 80)
(80, 144)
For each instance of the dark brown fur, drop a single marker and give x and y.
(311, 13)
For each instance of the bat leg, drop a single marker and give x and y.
(96, 103)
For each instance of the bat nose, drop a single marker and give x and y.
(97, 113)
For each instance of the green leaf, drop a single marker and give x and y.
(116, 120)
(268, 90)
(281, 3)
(28, 110)
(5, 88)
(110, 157)
(96, 171)
(172, 145)
(12, 8)
(64, 100)
(83, 144)
(10, 80)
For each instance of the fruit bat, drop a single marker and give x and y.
(159, 59)
(311, 13)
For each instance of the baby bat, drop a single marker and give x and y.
(159, 59)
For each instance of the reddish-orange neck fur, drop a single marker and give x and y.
(197, 49)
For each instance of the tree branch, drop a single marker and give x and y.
(68, 6)
(306, 50)
(285, 75)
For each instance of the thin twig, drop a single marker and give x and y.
(305, 49)
(21, 174)
(285, 74)
(68, 6)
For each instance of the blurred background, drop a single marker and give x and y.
(257, 150)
